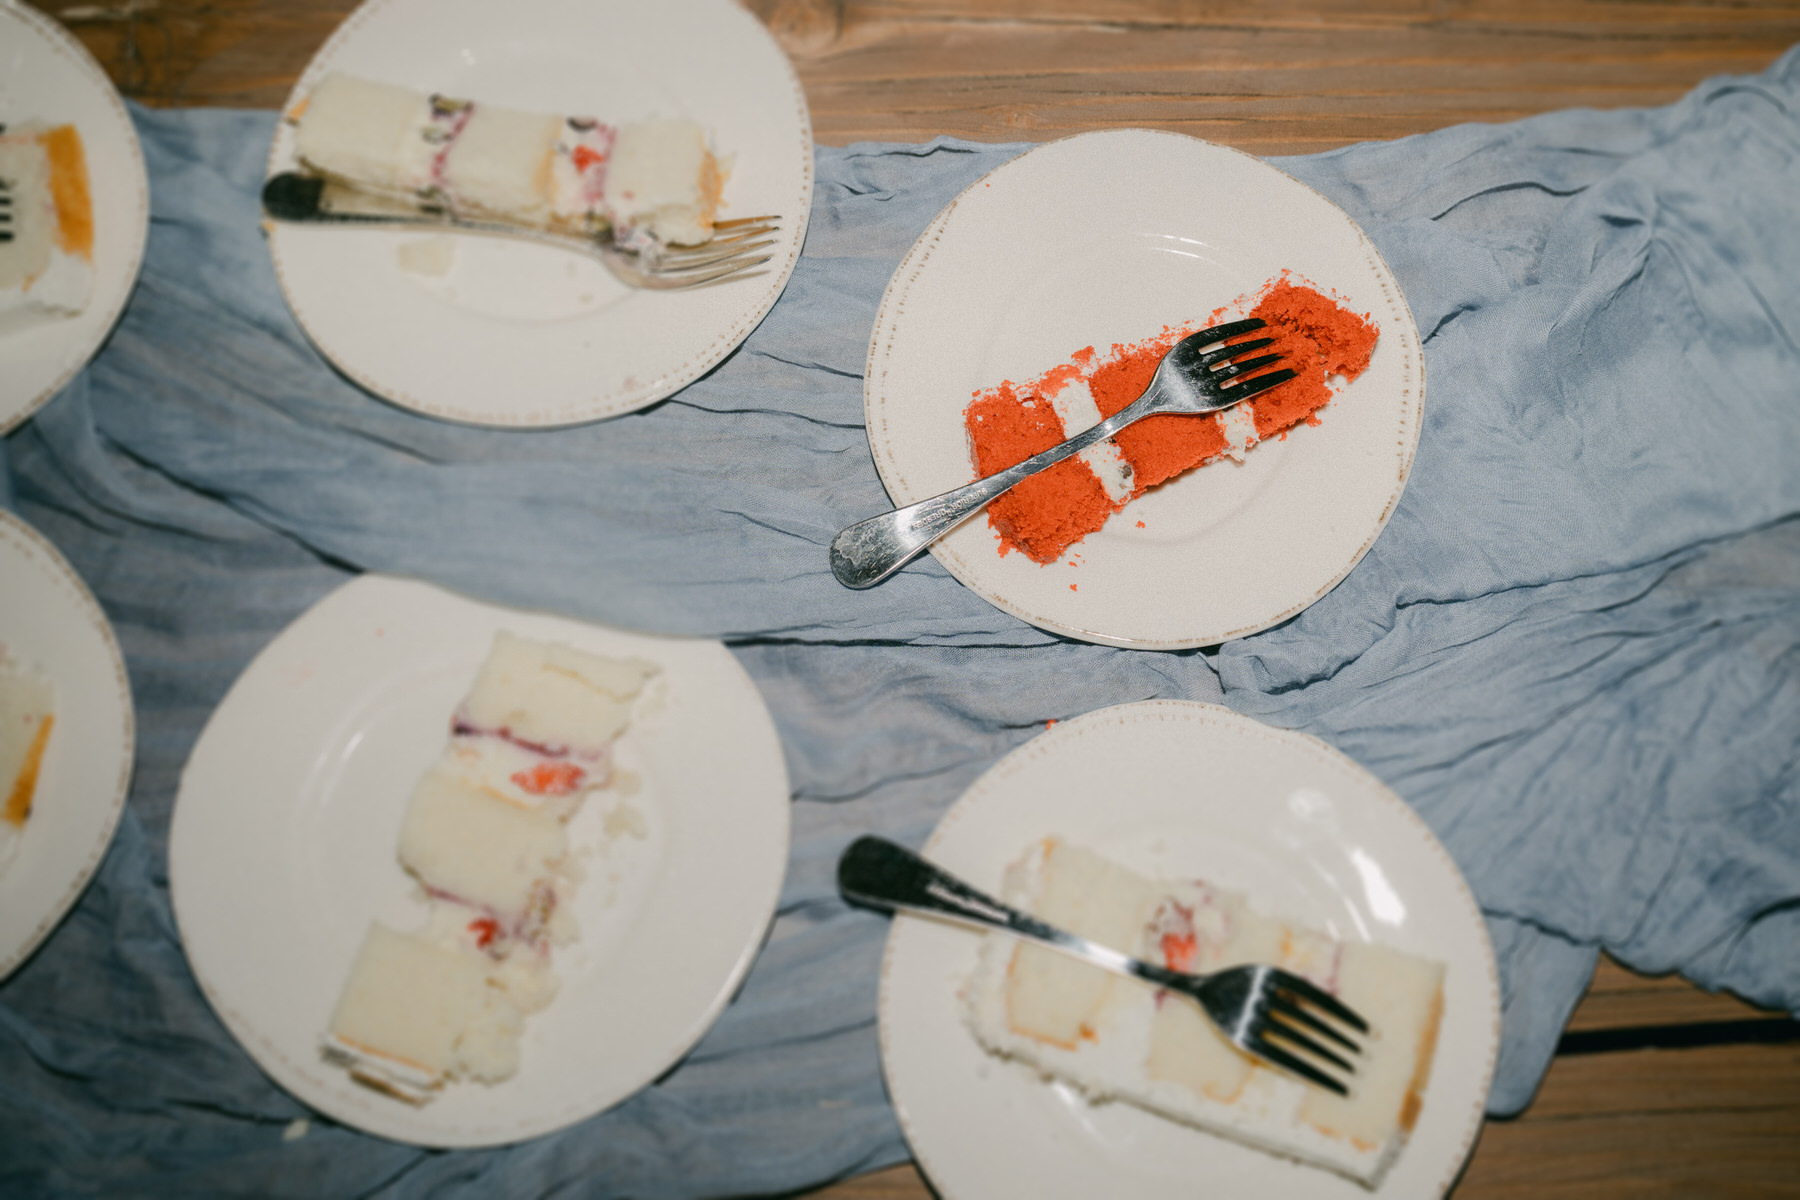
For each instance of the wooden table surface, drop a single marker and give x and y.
(1660, 1090)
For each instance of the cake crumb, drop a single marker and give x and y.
(296, 1129)
(626, 818)
(431, 257)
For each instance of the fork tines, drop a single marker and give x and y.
(1295, 1010)
(1230, 370)
(732, 250)
(5, 208)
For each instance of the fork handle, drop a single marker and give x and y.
(884, 874)
(864, 554)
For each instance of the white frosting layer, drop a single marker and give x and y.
(1075, 408)
(1238, 423)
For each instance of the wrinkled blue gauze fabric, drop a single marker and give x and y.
(1573, 649)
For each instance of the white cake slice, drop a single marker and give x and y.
(485, 835)
(46, 226)
(1121, 1039)
(657, 178)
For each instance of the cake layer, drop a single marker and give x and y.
(1120, 1038)
(1046, 514)
(554, 698)
(414, 1014)
(485, 853)
(46, 226)
(656, 178)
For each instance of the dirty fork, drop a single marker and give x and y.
(1189, 379)
(735, 247)
(1266, 1012)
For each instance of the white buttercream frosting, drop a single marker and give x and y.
(1075, 408)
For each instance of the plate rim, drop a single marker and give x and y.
(595, 409)
(273, 1061)
(891, 309)
(64, 574)
(62, 40)
(975, 793)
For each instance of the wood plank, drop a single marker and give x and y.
(1269, 76)
(1622, 999)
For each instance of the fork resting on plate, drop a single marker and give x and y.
(1189, 379)
(299, 198)
(1272, 1014)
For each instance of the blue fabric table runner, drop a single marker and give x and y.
(1574, 649)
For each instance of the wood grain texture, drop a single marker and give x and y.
(1622, 999)
(1268, 76)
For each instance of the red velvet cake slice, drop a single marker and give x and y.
(1046, 514)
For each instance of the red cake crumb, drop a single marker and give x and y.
(1046, 514)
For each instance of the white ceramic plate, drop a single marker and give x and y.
(1175, 787)
(1108, 237)
(282, 849)
(50, 622)
(46, 75)
(526, 335)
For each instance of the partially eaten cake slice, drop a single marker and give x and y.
(1315, 335)
(485, 835)
(655, 179)
(1119, 1038)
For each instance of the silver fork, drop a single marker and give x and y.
(311, 200)
(1187, 380)
(1251, 1005)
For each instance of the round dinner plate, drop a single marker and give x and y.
(1106, 238)
(517, 334)
(282, 850)
(48, 76)
(50, 622)
(1179, 788)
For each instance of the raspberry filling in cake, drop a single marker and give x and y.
(1046, 514)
